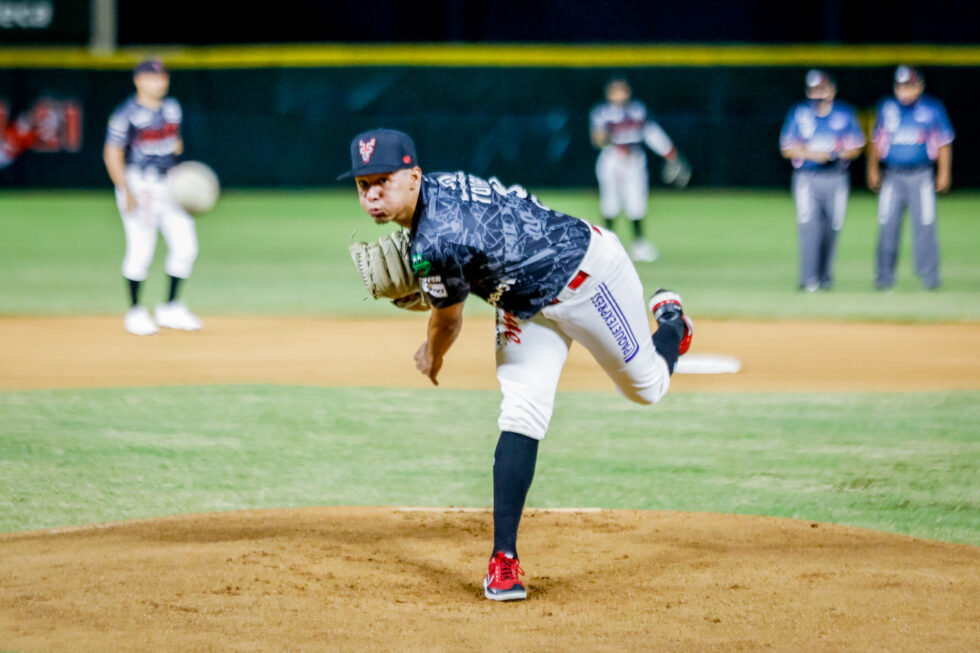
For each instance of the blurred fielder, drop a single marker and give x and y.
(821, 136)
(912, 139)
(143, 142)
(553, 279)
(619, 129)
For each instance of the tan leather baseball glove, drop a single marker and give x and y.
(386, 271)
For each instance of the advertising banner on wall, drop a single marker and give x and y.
(49, 22)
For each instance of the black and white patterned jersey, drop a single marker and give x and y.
(149, 137)
(624, 123)
(471, 235)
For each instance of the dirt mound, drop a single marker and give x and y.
(389, 579)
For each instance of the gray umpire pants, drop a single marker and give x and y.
(821, 203)
(914, 189)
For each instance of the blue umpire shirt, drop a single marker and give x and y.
(839, 130)
(909, 136)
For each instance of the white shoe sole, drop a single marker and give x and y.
(512, 595)
(179, 328)
(142, 333)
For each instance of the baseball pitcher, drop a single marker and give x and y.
(619, 128)
(143, 142)
(821, 136)
(553, 279)
(912, 139)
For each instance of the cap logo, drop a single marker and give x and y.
(367, 149)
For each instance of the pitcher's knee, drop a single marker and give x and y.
(645, 396)
(650, 390)
(526, 417)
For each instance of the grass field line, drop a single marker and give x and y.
(449, 509)
(63, 530)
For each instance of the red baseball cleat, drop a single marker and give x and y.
(501, 582)
(666, 305)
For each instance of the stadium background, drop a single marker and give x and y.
(498, 88)
(850, 433)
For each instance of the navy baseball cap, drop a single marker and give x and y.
(908, 75)
(150, 66)
(380, 150)
(816, 78)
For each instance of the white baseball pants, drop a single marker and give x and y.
(607, 314)
(624, 183)
(155, 210)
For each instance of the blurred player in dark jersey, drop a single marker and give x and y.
(619, 128)
(143, 142)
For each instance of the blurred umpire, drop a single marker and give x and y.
(820, 137)
(912, 139)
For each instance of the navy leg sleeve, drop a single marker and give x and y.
(667, 340)
(513, 471)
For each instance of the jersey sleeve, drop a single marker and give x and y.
(444, 282)
(656, 138)
(174, 114)
(597, 121)
(117, 132)
(879, 135)
(789, 135)
(944, 128)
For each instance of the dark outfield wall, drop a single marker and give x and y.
(292, 126)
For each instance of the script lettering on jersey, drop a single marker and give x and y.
(475, 189)
(159, 142)
(499, 291)
(610, 312)
(909, 136)
(508, 329)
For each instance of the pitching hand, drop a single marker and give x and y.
(425, 364)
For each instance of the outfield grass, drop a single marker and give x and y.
(730, 253)
(904, 463)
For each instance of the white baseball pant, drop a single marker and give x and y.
(606, 313)
(624, 182)
(155, 210)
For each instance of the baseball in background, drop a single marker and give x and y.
(272, 472)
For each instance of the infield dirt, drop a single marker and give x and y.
(338, 578)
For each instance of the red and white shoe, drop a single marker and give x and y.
(666, 305)
(502, 580)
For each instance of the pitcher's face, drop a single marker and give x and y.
(389, 196)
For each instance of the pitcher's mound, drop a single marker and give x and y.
(390, 579)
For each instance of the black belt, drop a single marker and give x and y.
(824, 170)
(908, 169)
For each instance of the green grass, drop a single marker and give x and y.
(730, 253)
(904, 463)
